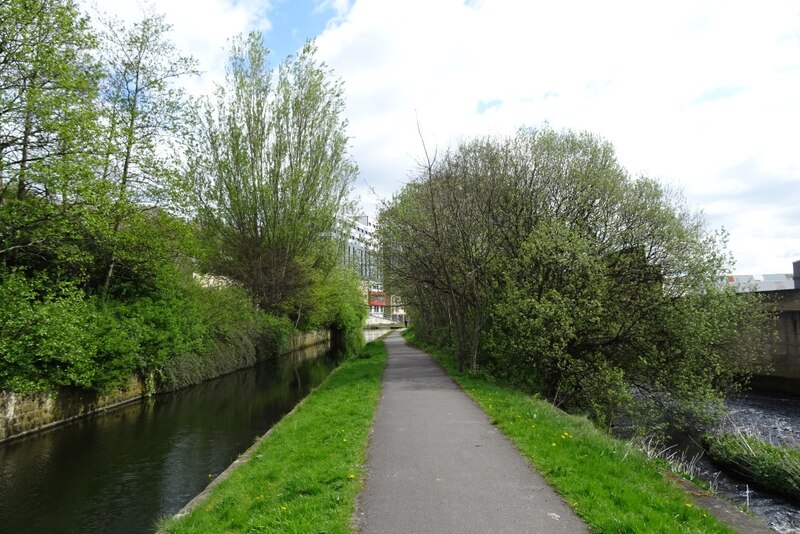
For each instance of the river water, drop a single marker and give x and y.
(773, 419)
(122, 471)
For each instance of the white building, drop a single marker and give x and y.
(363, 254)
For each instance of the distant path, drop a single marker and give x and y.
(437, 465)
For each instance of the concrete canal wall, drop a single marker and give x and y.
(783, 354)
(21, 415)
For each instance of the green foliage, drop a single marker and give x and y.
(775, 468)
(271, 174)
(44, 337)
(235, 336)
(48, 83)
(337, 303)
(95, 263)
(539, 259)
(305, 475)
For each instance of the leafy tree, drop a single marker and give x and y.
(439, 232)
(272, 174)
(597, 290)
(48, 121)
(144, 114)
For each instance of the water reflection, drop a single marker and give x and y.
(121, 471)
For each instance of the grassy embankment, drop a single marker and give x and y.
(774, 467)
(612, 486)
(305, 476)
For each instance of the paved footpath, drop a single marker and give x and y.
(437, 465)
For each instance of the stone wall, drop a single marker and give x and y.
(302, 341)
(24, 414)
(783, 355)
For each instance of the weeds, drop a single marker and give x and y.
(678, 461)
(774, 467)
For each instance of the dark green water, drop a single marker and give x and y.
(122, 471)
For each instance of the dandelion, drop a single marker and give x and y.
(552, 444)
(284, 508)
(351, 476)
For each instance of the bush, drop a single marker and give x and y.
(46, 335)
(339, 305)
(238, 336)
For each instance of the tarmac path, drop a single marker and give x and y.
(437, 465)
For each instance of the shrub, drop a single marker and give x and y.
(46, 338)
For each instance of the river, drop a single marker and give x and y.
(121, 471)
(773, 419)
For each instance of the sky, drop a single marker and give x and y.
(701, 95)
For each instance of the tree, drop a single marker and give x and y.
(145, 115)
(272, 174)
(439, 240)
(48, 121)
(595, 289)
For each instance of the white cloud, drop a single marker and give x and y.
(200, 28)
(686, 91)
(702, 94)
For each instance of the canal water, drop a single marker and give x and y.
(122, 471)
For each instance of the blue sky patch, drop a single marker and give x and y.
(294, 22)
(485, 105)
(718, 93)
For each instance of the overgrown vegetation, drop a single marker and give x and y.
(103, 222)
(776, 468)
(541, 261)
(305, 476)
(610, 484)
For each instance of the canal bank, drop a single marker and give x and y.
(22, 415)
(122, 471)
(770, 418)
(305, 475)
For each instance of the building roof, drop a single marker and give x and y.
(744, 283)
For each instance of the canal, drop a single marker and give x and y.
(122, 471)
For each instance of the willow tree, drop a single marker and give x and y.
(272, 173)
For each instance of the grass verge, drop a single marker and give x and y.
(773, 467)
(305, 475)
(612, 486)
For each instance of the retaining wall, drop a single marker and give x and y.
(783, 355)
(24, 414)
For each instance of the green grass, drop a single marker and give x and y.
(612, 486)
(304, 477)
(776, 468)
